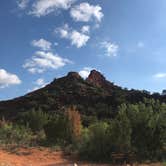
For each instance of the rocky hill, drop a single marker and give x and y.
(88, 95)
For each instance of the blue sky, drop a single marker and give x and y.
(44, 39)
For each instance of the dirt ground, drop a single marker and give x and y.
(37, 157)
(41, 157)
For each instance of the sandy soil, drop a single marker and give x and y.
(37, 157)
(40, 157)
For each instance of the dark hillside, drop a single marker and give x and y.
(88, 95)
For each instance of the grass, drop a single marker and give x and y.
(164, 163)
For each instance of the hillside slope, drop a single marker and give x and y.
(73, 90)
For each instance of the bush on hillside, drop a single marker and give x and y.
(11, 134)
(139, 129)
(56, 130)
(120, 133)
(34, 119)
(64, 128)
(148, 129)
(94, 143)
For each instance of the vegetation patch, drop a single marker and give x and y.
(136, 133)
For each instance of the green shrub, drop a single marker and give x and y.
(15, 135)
(120, 133)
(65, 128)
(148, 128)
(94, 144)
(35, 119)
(56, 130)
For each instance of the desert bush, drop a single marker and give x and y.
(137, 128)
(120, 133)
(56, 129)
(15, 135)
(65, 128)
(94, 143)
(148, 128)
(34, 119)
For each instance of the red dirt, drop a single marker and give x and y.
(40, 157)
(36, 157)
(32, 157)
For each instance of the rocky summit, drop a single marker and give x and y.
(96, 78)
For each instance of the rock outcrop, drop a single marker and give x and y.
(96, 78)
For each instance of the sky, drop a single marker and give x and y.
(45, 39)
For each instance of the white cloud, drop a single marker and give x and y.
(64, 31)
(40, 82)
(7, 79)
(111, 49)
(22, 4)
(45, 7)
(42, 44)
(76, 38)
(85, 29)
(160, 75)
(34, 69)
(86, 12)
(84, 73)
(42, 61)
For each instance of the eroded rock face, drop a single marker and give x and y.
(96, 78)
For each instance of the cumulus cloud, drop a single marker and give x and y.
(40, 82)
(42, 44)
(22, 4)
(79, 39)
(160, 75)
(85, 29)
(85, 12)
(64, 31)
(7, 79)
(42, 61)
(45, 7)
(111, 49)
(84, 73)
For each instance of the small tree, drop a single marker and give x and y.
(120, 132)
(56, 129)
(95, 142)
(74, 122)
(35, 119)
(64, 128)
